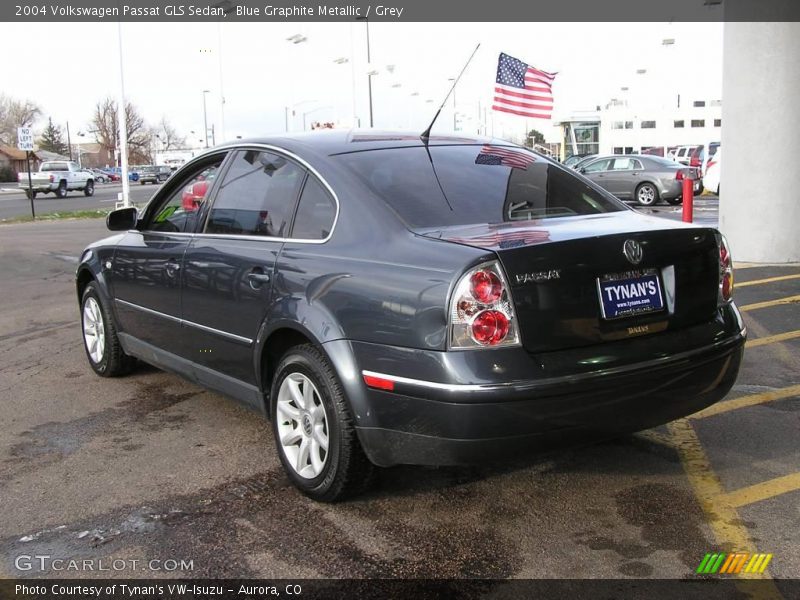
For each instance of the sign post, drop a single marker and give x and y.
(25, 142)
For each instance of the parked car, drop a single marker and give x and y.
(99, 176)
(385, 300)
(584, 161)
(112, 176)
(154, 174)
(58, 177)
(711, 178)
(133, 175)
(646, 179)
(574, 159)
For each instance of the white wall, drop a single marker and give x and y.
(760, 190)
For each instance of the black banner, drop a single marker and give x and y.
(420, 589)
(400, 10)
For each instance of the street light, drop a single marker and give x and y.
(205, 117)
(297, 38)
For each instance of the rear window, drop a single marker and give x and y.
(55, 167)
(479, 184)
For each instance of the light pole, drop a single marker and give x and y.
(370, 73)
(205, 117)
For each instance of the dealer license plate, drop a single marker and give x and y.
(630, 293)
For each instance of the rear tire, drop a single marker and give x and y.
(88, 191)
(61, 190)
(100, 340)
(314, 433)
(647, 194)
(675, 201)
(30, 195)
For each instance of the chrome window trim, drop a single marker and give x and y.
(311, 170)
(225, 334)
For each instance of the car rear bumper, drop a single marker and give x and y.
(439, 421)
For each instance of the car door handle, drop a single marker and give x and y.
(172, 267)
(257, 277)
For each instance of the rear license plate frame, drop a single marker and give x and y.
(655, 302)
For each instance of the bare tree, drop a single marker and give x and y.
(168, 136)
(13, 114)
(105, 125)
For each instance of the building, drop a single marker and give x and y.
(93, 155)
(14, 161)
(622, 127)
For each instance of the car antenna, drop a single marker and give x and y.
(427, 133)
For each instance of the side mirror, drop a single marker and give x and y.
(582, 170)
(122, 219)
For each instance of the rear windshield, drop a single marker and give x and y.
(55, 167)
(476, 184)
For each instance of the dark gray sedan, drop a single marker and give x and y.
(389, 298)
(646, 179)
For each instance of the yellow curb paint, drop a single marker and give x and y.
(771, 339)
(767, 280)
(721, 517)
(745, 401)
(764, 490)
(769, 303)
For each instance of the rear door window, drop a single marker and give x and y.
(470, 184)
(315, 213)
(597, 166)
(256, 196)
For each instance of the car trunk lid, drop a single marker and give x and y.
(558, 268)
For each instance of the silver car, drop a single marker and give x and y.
(646, 179)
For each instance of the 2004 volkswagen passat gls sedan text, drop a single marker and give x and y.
(388, 299)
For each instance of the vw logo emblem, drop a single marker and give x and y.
(632, 251)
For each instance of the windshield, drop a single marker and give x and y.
(479, 184)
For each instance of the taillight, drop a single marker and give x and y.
(481, 313)
(679, 175)
(710, 164)
(725, 271)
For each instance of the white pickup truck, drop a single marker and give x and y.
(59, 177)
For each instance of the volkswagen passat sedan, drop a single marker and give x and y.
(387, 300)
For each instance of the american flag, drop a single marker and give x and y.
(521, 89)
(505, 156)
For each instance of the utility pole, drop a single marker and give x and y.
(69, 142)
(205, 118)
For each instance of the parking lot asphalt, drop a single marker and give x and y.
(150, 467)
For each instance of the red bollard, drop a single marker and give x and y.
(688, 199)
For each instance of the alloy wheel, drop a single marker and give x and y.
(94, 332)
(302, 425)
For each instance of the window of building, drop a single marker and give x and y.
(257, 196)
(628, 124)
(617, 149)
(628, 149)
(698, 122)
(648, 124)
(677, 124)
(699, 103)
(717, 122)
(616, 125)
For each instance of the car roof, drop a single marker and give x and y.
(340, 141)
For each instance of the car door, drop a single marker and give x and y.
(597, 171)
(622, 177)
(146, 272)
(230, 264)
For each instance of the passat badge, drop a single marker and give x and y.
(538, 276)
(632, 251)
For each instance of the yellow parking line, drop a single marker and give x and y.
(764, 490)
(768, 303)
(745, 401)
(767, 280)
(721, 516)
(771, 339)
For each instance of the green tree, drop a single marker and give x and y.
(52, 139)
(535, 137)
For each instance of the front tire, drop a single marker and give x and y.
(88, 191)
(647, 194)
(314, 433)
(100, 340)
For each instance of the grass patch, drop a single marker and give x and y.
(57, 216)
